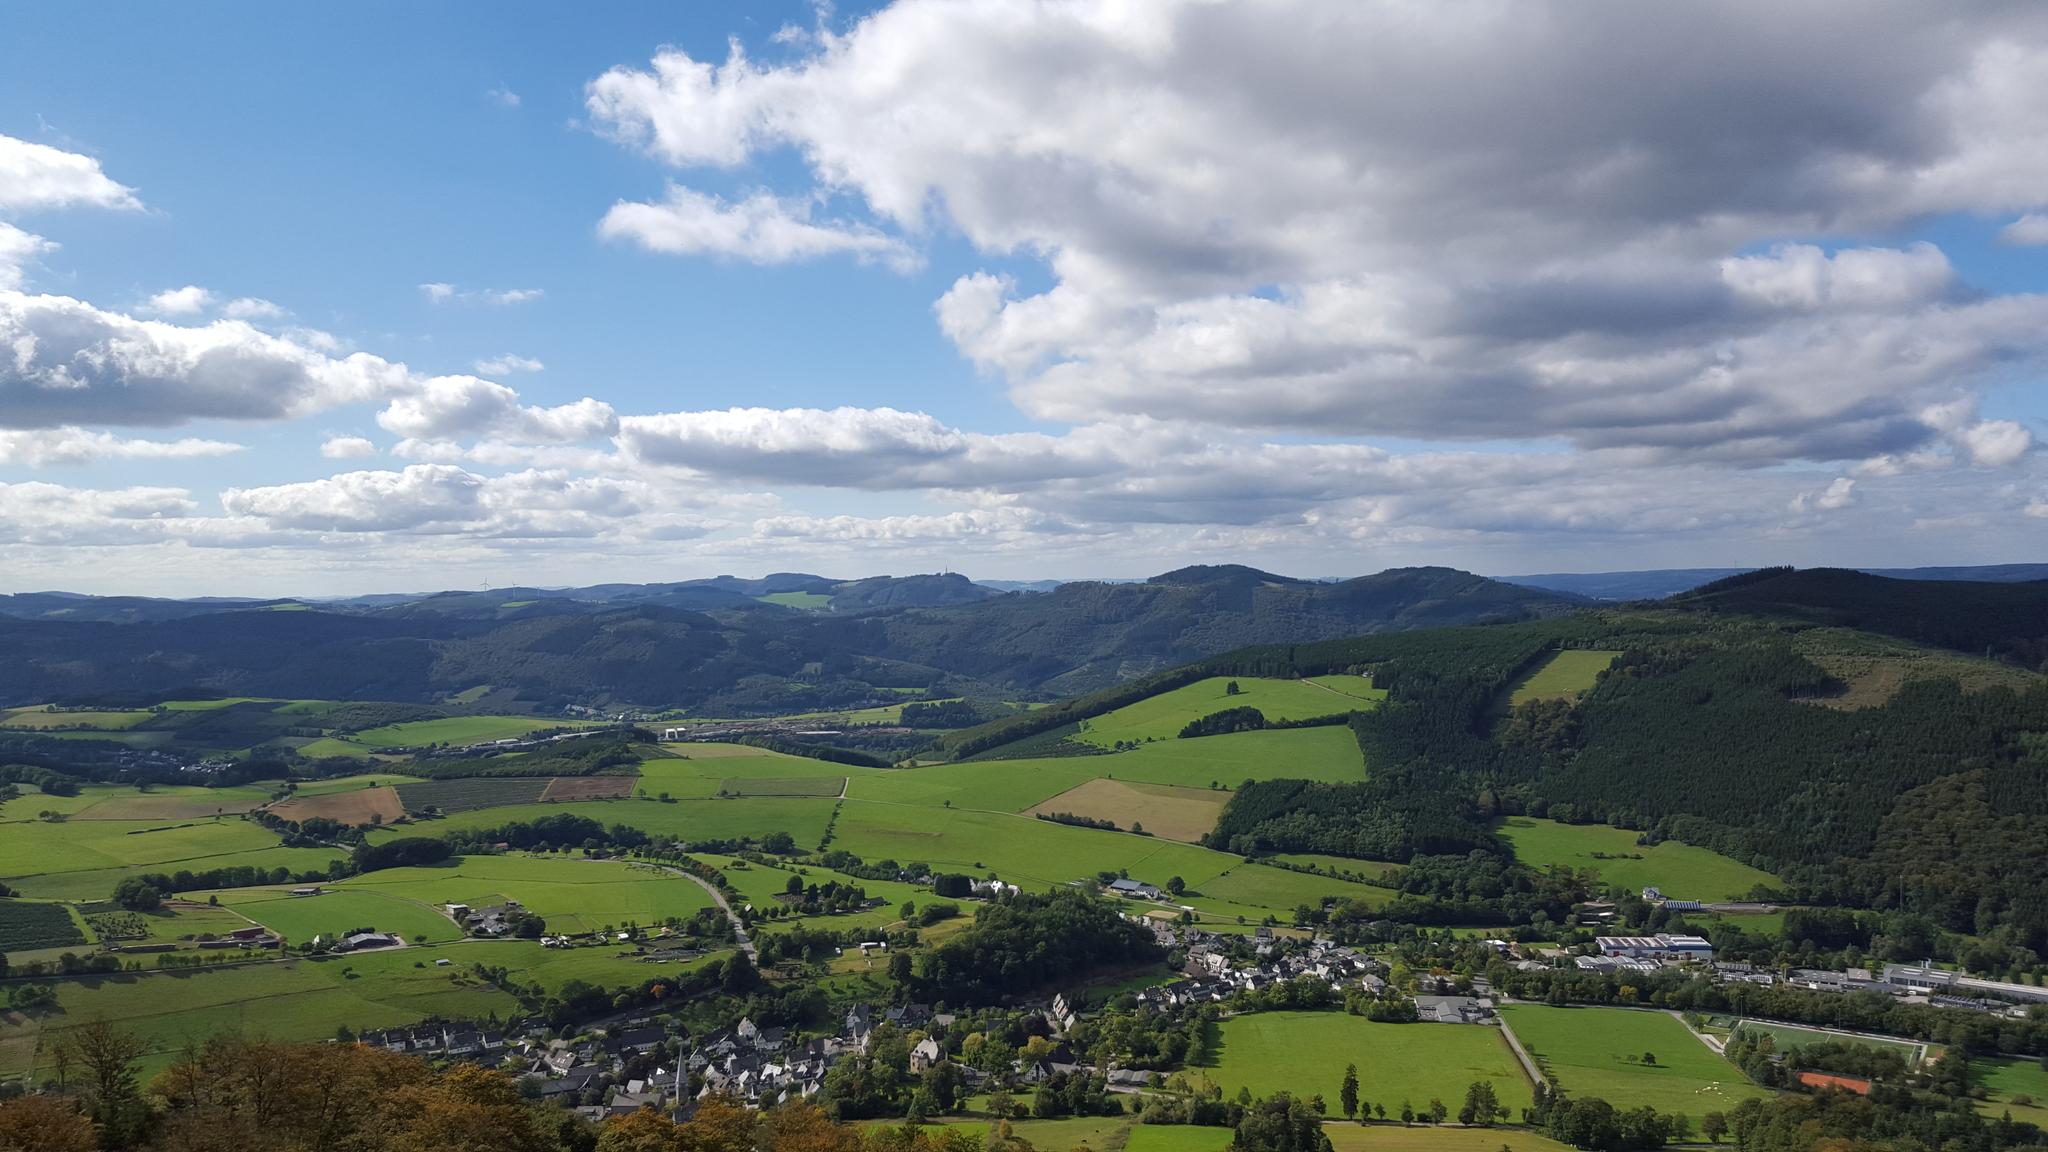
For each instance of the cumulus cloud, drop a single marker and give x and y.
(1445, 223)
(508, 364)
(62, 361)
(252, 308)
(17, 249)
(2029, 230)
(347, 447)
(761, 229)
(187, 301)
(36, 449)
(37, 176)
(53, 515)
(452, 406)
(503, 97)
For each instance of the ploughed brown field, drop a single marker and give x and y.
(362, 806)
(565, 788)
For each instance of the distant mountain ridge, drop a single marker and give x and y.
(696, 643)
(1657, 583)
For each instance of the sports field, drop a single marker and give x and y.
(336, 911)
(1601, 1052)
(1785, 1036)
(1681, 870)
(1162, 717)
(1163, 810)
(2009, 1081)
(1305, 1053)
(1564, 676)
(571, 894)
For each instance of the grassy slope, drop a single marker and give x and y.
(1563, 676)
(1163, 716)
(2005, 1079)
(687, 820)
(1598, 1052)
(1681, 870)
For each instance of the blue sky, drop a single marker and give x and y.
(1015, 289)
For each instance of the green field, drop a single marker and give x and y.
(1162, 717)
(1339, 864)
(571, 894)
(1564, 676)
(336, 911)
(35, 850)
(1681, 870)
(807, 600)
(306, 999)
(1305, 1053)
(1599, 1052)
(1180, 1138)
(98, 883)
(99, 721)
(2007, 1080)
(803, 817)
(782, 785)
(458, 730)
(1396, 1138)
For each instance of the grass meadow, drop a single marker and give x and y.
(1185, 814)
(571, 894)
(1681, 870)
(337, 911)
(1564, 676)
(1599, 1052)
(1162, 717)
(2004, 1081)
(1305, 1053)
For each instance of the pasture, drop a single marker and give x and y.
(1185, 814)
(1395, 1138)
(360, 806)
(1180, 1138)
(37, 849)
(691, 820)
(1681, 870)
(572, 895)
(2006, 1082)
(1305, 1053)
(176, 804)
(809, 601)
(337, 911)
(459, 730)
(41, 718)
(1162, 717)
(782, 785)
(1601, 1052)
(1567, 674)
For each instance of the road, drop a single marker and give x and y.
(739, 928)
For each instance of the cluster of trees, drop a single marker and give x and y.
(1240, 719)
(1756, 1053)
(1593, 1124)
(587, 757)
(1083, 821)
(815, 899)
(1028, 941)
(562, 829)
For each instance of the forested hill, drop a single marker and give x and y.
(740, 646)
(2003, 620)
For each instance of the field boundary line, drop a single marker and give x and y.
(1528, 1062)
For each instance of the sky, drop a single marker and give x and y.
(301, 301)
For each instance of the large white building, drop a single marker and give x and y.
(1659, 947)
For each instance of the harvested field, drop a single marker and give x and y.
(783, 786)
(174, 807)
(1184, 814)
(473, 793)
(566, 788)
(362, 806)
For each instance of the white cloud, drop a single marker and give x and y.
(17, 249)
(1446, 223)
(252, 308)
(503, 97)
(70, 445)
(1837, 495)
(452, 406)
(187, 301)
(1995, 443)
(53, 515)
(62, 361)
(420, 496)
(508, 364)
(347, 447)
(761, 229)
(2030, 229)
(37, 176)
(441, 292)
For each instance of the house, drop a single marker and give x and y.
(1452, 1009)
(309, 890)
(925, 1055)
(357, 941)
(1134, 890)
